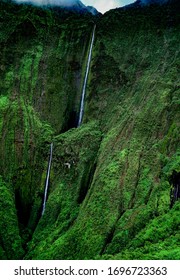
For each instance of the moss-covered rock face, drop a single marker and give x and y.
(41, 63)
(11, 244)
(114, 185)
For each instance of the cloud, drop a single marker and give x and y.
(46, 2)
(102, 5)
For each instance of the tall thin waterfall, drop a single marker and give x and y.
(85, 80)
(47, 178)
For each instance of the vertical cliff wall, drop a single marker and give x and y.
(114, 187)
(43, 54)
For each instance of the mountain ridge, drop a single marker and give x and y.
(143, 3)
(71, 5)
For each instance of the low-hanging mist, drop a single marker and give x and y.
(63, 3)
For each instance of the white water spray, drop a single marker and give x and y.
(47, 178)
(85, 80)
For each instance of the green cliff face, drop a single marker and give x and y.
(114, 183)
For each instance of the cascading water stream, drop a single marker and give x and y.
(79, 120)
(85, 80)
(47, 178)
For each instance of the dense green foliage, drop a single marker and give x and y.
(112, 184)
(11, 244)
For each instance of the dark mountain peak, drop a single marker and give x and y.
(149, 2)
(142, 3)
(92, 10)
(72, 5)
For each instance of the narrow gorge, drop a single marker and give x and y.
(47, 179)
(85, 80)
(81, 111)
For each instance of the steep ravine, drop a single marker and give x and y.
(114, 184)
(80, 119)
(41, 88)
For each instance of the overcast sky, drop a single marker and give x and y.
(101, 5)
(105, 5)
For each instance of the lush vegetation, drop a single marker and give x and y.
(114, 185)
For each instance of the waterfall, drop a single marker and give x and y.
(47, 178)
(85, 80)
(79, 120)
